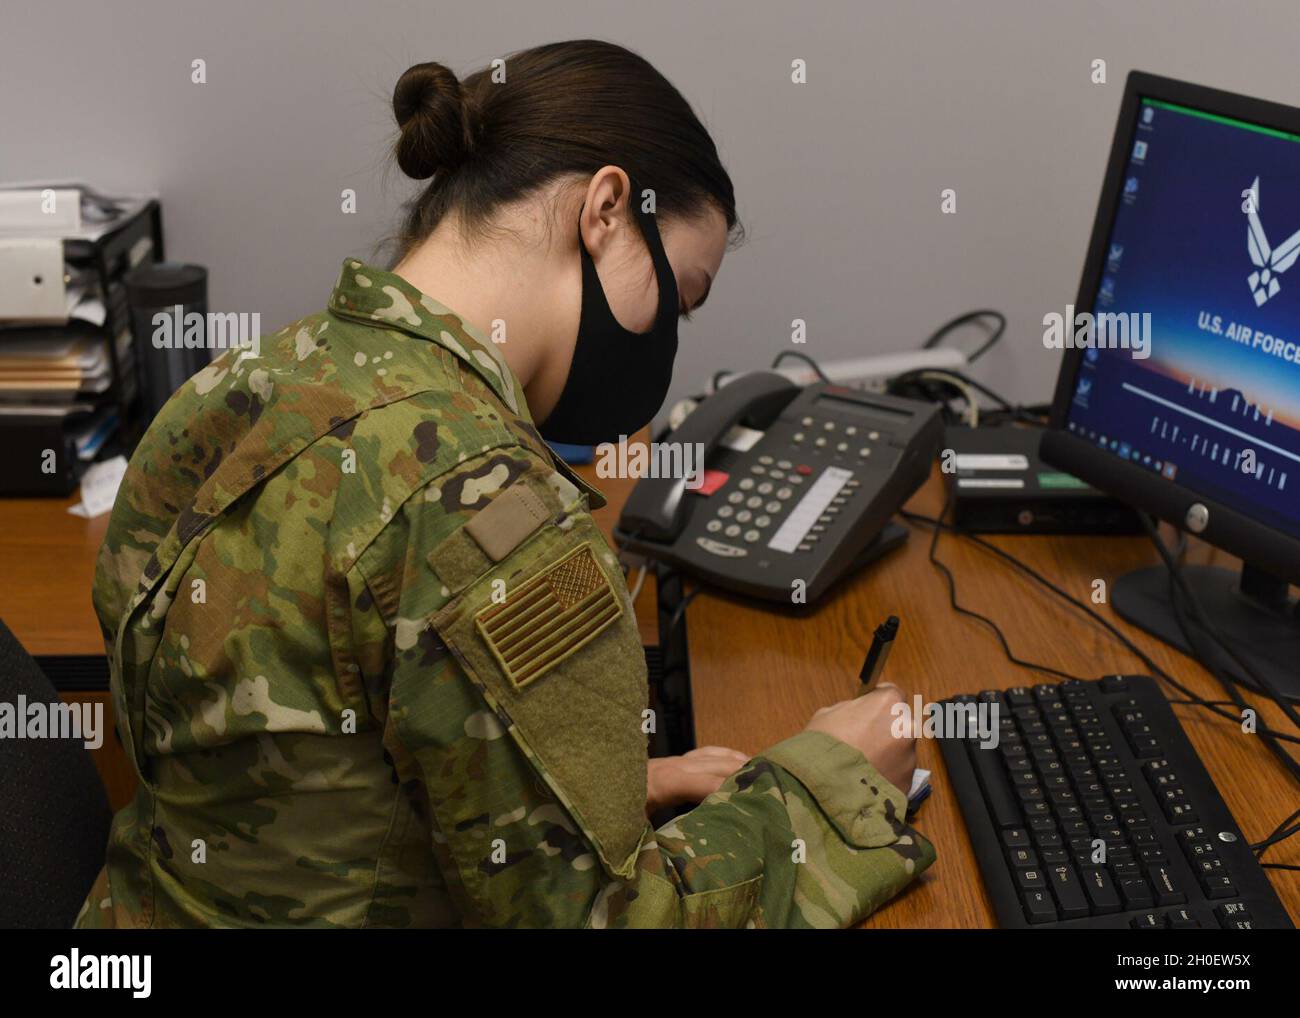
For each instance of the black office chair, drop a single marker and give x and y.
(54, 815)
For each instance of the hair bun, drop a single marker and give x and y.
(430, 108)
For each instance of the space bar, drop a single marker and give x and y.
(998, 795)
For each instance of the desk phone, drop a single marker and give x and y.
(807, 501)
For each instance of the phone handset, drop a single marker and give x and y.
(655, 510)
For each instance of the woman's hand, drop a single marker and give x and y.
(866, 724)
(674, 780)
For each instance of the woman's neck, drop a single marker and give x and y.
(511, 289)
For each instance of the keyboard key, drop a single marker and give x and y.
(1219, 887)
(1136, 893)
(1165, 885)
(1100, 889)
(1029, 879)
(1147, 921)
(1232, 914)
(1182, 919)
(1023, 858)
(1039, 907)
(1068, 892)
(1015, 837)
(998, 795)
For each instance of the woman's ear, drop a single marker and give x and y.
(604, 210)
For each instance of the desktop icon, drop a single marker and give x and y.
(1131, 185)
(1113, 259)
(1169, 470)
(1107, 289)
(1139, 151)
(1148, 114)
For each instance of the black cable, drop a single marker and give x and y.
(1281, 832)
(678, 614)
(1199, 616)
(799, 355)
(1178, 584)
(932, 389)
(1101, 620)
(970, 316)
(997, 630)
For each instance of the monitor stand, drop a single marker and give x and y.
(1253, 611)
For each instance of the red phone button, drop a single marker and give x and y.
(804, 469)
(708, 483)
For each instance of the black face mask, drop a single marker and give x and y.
(618, 379)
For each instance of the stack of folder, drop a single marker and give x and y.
(63, 251)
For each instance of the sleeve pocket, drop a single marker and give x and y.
(549, 638)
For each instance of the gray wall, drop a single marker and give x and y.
(839, 179)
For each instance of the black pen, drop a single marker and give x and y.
(881, 643)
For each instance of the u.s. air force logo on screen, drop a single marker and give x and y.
(1269, 263)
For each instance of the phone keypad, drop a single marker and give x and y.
(755, 506)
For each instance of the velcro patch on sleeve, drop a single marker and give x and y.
(549, 616)
(504, 524)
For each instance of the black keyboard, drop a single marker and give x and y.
(1094, 810)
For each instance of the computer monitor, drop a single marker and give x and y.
(1179, 391)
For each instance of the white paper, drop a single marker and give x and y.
(920, 778)
(99, 487)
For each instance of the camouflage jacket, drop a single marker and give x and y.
(375, 666)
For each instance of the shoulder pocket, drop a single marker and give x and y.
(549, 638)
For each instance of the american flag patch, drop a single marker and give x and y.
(549, 616)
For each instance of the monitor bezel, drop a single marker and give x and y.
(1249, 539)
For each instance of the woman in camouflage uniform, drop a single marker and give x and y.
(372, 660)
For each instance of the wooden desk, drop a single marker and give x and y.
(47, 559)
(757, 675)
(47, 562)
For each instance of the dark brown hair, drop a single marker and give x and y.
(563, 108)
